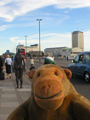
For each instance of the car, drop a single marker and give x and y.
(81, 65)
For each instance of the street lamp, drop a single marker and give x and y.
(39, 37)
(26, 44)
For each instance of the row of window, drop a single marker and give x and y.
(82, 58)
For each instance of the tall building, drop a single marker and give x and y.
(77, 40)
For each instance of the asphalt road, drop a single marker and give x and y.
(81, 86)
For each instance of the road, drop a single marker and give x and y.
(81, 86)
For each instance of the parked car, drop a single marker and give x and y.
(81, 65)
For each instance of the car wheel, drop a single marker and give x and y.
(87, 77)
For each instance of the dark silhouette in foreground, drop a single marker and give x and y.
(18, 66)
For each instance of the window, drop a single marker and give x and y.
(81, 58)
(76, 58)
(87, 59)
(22, 50)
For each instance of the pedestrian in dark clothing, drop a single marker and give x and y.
(3, 59)
(1, 64)
(12, 63)
(18, 66)
(32, 67)
(67, 58)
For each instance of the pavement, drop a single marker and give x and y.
(10, 96)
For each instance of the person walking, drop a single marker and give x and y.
(67, 58)
(12, 63)
(18, 67)
(1, 64)
(31, 61)
(8, 64)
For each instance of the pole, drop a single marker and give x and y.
(26, 45)
(39, 37)
(39, 40)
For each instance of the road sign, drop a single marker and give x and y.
(7, 51)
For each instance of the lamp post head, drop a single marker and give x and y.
(39, 19)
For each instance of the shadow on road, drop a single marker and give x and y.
(78, 81)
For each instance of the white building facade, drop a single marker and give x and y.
(63, 52)
(58, 51)
(31, 48)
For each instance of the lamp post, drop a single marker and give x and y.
(26, 45)
(39, 37)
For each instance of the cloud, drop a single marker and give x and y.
(14, 39)
(87, 40)
(53, 40)
(4, 2)
(57, 40)
(9, 9)
(66, 12)
(72, 4)
(4, 27)
(17, 40)
(13, 8)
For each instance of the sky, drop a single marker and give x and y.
(18, 18)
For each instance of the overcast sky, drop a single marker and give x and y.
(59, 19)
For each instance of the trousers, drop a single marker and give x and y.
(19, 76)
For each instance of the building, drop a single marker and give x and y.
(77, 40)
(58, 51)
(19, 47)
(63, 52)
(74, 52)
(34, 53)
(77, 47)
(30, 50)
